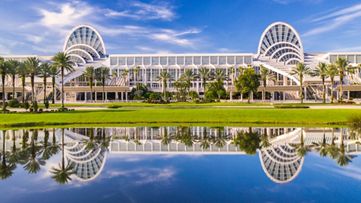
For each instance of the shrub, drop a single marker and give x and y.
(26, 105)
(290, 106)
(14, 103)
(46, 104)
(34, 106)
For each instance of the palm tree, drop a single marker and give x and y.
(62, 173)
(231, 73)
(124, 75)
(204, 74)
(6, 168)
(265, 75)
(135, 75)
(188, 76)
(332, 72)
(13, 66)
(3, 73)
(321, 71)
(104, 75)
(22, 73)
(219, 75)
(62, 62)
(53, 73)
(164, 76)
(44, 73)
(33, 67)
(301, 70)
(89, 74)
(341, 64)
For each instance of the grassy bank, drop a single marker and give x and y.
(230, 116)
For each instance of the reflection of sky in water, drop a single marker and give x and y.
(184, 178)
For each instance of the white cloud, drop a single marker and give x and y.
(335, 19)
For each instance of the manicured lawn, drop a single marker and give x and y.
(231, 116)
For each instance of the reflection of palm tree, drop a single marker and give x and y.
(90, 144)
(332, 149)
(184, 136)
(205, 139)
(62, 173)
(46, 151)
(34, 162)
(301, 148)
(343, 159)
(265, 140)
(6, 168)
(14, 155)
(166, 139)
(219, 140)
(322, 146)
(248, 142)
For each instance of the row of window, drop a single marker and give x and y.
(180, 60)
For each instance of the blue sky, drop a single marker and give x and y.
(178, 26)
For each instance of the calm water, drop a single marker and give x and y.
(180, 164)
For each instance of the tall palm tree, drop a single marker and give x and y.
(13, 66)
(53, 73)
(62, 174)
(44, 73)
(321, 71)
(188, 76)
(332, 72)
(231, 73)
(204, 74)
(33, 67)
(62, 62)
(22, 73)
(164, 76)
(301, 70)
(89, 74)
(265, 75)
(3, 73)
(135, 74)
(124, 75)
(104, 76)
(341, 64)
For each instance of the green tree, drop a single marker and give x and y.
(62, 174)
(22, 73)
(188, 76)
(164, 77)
(3, 73)
(33, 67)
(204, 74)
(332, 73)
(265, 75)
(13, 66)
(89, 75)
(301, 70)
(342, 65)
(62, 61)
(219, 75)
(44, 73)
(104, 76)
(321, 71)
(248, 83)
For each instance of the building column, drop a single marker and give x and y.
(106, 96)
(305, 93)
(121, 96)
(95, 96)
(284, 96)
(348, 95)
(231, 95)
(126, 96)
(116, 96)
(85, 96)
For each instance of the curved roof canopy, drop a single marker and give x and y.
(281, 42)
(85, 42)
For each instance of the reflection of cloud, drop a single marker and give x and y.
(348, 171)
(144, 175)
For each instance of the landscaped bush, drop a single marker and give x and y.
(14, 103)
(290, 106)
(114, 106)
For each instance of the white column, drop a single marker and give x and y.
(121, 96)
(126, 96)
(116, 96)
(85, 96)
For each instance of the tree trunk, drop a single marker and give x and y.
(341, 88)
(32, 88)
(53, 83)
(13, 80)
(249, 97)
(323, 91)
(332, 91)
(3, 91)
(44, 89)
(62, 88)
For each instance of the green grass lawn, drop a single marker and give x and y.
(224, 116)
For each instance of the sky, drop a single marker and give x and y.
(177, 26)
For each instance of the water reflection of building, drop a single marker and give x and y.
(280, 160)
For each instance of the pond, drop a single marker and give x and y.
(180, 164)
